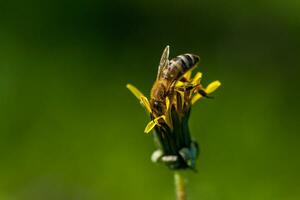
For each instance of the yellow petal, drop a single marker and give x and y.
(195, 98)
(212, 87)
(167, 115)
(153, 123)
(197, 78)
(135, 91)
(167, 103)
(150, 126)
(146, 103)
(179, 84)
(187, 75)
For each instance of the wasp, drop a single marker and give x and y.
(169, 72)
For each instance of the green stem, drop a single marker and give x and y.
(179, 186)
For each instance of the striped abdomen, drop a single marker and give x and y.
(179, 66)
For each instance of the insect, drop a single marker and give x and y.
(169, 72)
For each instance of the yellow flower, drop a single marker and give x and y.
(170, 124)
(189, 86)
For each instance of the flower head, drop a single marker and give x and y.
(170, 125)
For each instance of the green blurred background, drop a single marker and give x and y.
(69, 129)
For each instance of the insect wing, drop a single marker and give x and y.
(164, 61)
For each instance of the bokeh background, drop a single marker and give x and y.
(70, 130)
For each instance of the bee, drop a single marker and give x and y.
(169, 72)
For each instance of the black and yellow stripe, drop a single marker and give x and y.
(179, 65)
